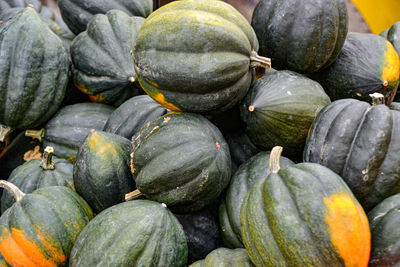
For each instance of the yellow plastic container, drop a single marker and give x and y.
(379, 14)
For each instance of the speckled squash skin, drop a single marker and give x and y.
(68, 129)
(367, 64)
(101, 58)
(255, 170)
(304, 215)
(384, 220)
(280, 108)
(128, 118)
(33, 71)
(224, 257)
(300, 35)
(31, 176)
(41, 228)
(361, 143)
(78, 13)
(101, 171)
(182, 160)
(210, 45)
(135, 233)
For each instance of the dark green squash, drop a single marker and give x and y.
(280, 108)
(241, 147)
(78, 13)
(69, 127)
(393, 36)
(196, 56)
(101, 171)
(128, 118)
(182, 160)
(101, 58)
(384, 223)
(225, 257)
(304, 215)
(202, 232)
(361, 143)
(41, 228)
(367, 64)
(255, 170)
(33, 71)
(300, 35)
(136, 233)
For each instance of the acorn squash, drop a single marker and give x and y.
(225, 257)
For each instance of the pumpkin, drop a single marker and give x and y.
(201, 231)
(36, 174)
(225, 257)
(256, 169)
(136, 233)
(384, 220)
(304, 215)
(102, 64)
(182, 160)
(367, 64)
(280, 108)
(300, 35)
(196, 56)
(128, 118)
(41, 228)
(34, 71)
(101, 171)
(361, 143)
(78, 13)
(69, 127)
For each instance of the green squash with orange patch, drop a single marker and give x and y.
(101, 171)
(304, 215)
(41, 228)
(367, 64)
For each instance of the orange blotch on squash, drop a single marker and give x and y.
(349, 229)
(391, 68)
(98, 145)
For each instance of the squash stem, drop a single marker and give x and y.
(257, 61)
(377, 99)
(36, 134)
(4, 132)
(47, 162)
(14, 190)
(274, 159)
(133, 195)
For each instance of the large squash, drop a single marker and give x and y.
(300, 35)
(101, 58)
(33, 71)
(41, 228)
(196, 56)
(304, 215)
(136, 233)
(361, 143)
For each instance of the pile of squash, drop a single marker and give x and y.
(188, 136)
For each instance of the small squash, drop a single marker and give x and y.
(225, 257)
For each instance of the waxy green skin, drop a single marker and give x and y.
(384, 223)
(196, 54)
(101, 171)
(57, 212)
(101, 57)
(182, 160)
(357, 72)
(303, 36)
(285, 105)
(68, 129)
(254, 171)
(33, 71)
(78, 13)
(128, 118)
(283, 218)
(135, 233)
(224, 257)
(361, 143)
(30, 176)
